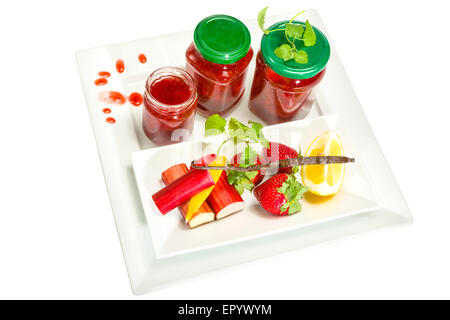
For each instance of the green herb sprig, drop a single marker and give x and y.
(237, 132)
(292, 31)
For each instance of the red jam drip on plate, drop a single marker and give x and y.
(101, 81)
(106, 110)
(170, 90)
(120, 66)
(142, 58)
(104, 74)
(110, 120)
(135, 99)
(112, 97)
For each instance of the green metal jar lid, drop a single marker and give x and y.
(222, 39)
(318, 54)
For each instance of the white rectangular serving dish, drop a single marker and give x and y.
(171, 235)
(150, 264)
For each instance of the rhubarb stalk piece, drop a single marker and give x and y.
(224, 198)
(204, 214)
(182, 189)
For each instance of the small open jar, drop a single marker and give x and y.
(280, 88)
(170, 100)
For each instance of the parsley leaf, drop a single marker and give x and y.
(215, 125)
(261, 20)
(294, 30)
(309, 37)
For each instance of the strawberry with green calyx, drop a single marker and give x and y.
(281, 194)
(278, 151)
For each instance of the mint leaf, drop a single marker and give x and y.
(237, 129)
(284, 52)
(247, 185)
(309, 36)
(262, 19)
(301, 57)
(251, 175)
(248, 157)
(215, 125)
(294, 30)
(239, 188)
(241, 180)
(256, 126)
(260, 135)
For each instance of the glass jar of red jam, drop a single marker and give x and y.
(170, 100)
(218, 60)
(280, 88)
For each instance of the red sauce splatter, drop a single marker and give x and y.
(106, 110)
(110, 120)
(120, 66)
(104, 74)
(101, 81)
(112, 97)
(142, 58)
(135, 99)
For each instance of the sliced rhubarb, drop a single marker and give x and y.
(224, 198)
(182, 189)
(204, 214)
(197, 200)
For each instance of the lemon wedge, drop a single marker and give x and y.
(324, 179)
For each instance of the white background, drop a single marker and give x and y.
(57, 233)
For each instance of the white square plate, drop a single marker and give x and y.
(117, 142)
(170, 233)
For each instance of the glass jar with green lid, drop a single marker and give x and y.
(218, 60)
(280, 88)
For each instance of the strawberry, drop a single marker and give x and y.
(281, 194)
(236, 162)
(278, 151)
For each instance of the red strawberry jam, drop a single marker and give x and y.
(275, 98)
(281, 87)
(218, 60)
(170, 100)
